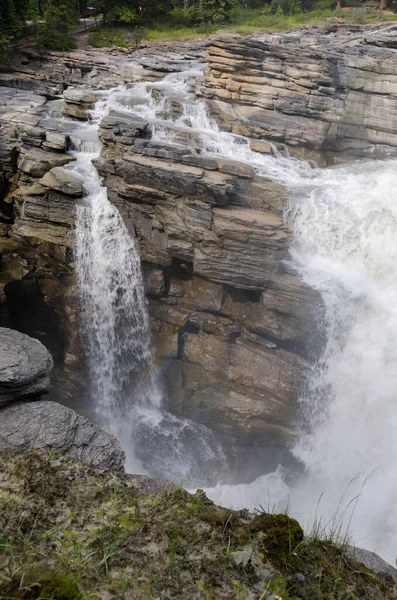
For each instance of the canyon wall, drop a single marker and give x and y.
(330, 91)
(232, 325)
(37, 215)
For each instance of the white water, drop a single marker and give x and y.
(345, 245)
(116, 335)
(344, 222)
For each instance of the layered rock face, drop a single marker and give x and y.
(230, 322)
(37, 213)
(324, 90)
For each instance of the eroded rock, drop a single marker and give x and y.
(37, 162)
(51, 426)
(307, 90)
(25, 367)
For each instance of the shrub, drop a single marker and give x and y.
(210, 12)
(122, 15)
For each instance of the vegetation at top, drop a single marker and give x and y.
(125, 22)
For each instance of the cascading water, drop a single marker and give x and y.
(116, 335)
(344, 222)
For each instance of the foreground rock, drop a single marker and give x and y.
(25, 367)
(53, 427)
(69, 530)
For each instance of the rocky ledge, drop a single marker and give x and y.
(70, 531)
(230, 319)
(37, 213)
(55, 428)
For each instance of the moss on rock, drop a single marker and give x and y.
(70, 532)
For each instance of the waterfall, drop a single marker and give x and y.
(344, 223)
(127, 399)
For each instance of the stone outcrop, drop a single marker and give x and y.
(45, 212)
(227, 314)
(324, 90)
(37, 216)
(49, 74)
(25, 367)
(372, 561)
(53, 427)
(78, 103)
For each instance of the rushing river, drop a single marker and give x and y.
(344, 223)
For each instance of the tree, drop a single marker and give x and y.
(211, 12)
(32, 11)
(55, 33)
(13, 21)
(122, 15)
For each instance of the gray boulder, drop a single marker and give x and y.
(25, 367)
(372, 561)
(49, 425)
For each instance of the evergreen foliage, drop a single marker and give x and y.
(122, 14)
(55, 33)
(32, 11)
(210, 12)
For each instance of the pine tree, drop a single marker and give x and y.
(32, 12)
(13, 22)
(55, 34)
(210, 12)
(4, 38)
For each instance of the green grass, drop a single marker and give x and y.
(166, 32)
(69, 532)
(106, 36)
(243, 21)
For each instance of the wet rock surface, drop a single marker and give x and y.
(53, 427)
(227, 315)
(25, 367)
(372, 561)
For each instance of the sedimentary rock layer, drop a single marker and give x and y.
(227, 314)
(334, 93)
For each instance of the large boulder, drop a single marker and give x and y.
(36, 162)
(78, 102)
(51, 426)
(25, 367)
